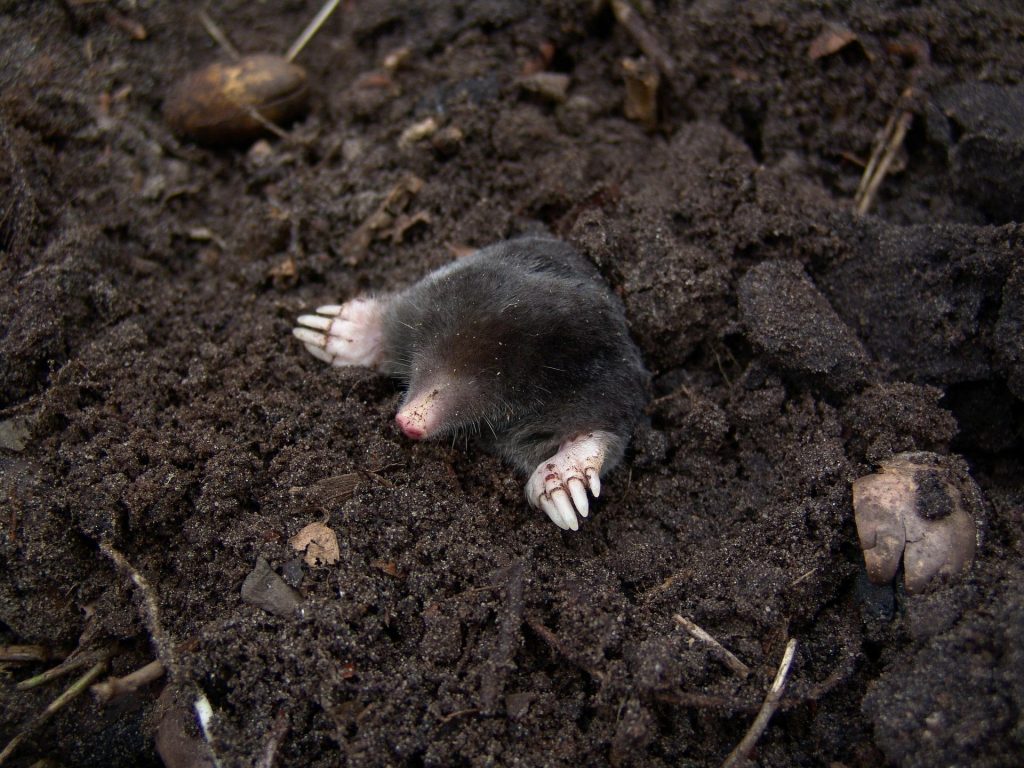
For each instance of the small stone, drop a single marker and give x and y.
(448, 140)
(15, 432)
(416, 132)
(517, 704)
(260, 152)
(550, 86)
(264, 589)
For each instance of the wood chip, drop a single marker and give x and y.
(832, 39)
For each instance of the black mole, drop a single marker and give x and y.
(522, 342)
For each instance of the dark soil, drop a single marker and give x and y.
(166, 414)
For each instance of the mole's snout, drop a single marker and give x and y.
(410, 426)
(422, 415)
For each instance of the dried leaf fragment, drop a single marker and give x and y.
(319, 543)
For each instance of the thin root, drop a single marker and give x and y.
(73, 691)
(882, 155)
(218, 35)
(771, 703)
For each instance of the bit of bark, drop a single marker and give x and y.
(381, 222)
(641, 102)
(497, 667)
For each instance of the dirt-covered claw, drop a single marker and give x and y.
(559, 485)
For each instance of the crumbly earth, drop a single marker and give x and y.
(156, 406)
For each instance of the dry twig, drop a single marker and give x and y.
(75, 661)
(277, 733)
(771, 703)
(311, 29)
(22, 654)
(646, 40)
(727, 656)
(218, 35)
(558, 646)
(882, 155)
(115, 687)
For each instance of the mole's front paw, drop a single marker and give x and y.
(346, 334)
(559, 485)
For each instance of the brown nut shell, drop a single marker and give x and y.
(920, 510)
(216, 104)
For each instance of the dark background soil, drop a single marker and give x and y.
(148, 288)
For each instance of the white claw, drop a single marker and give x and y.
(564, 506)
(559, 485)
(319, 354)
(549, 509)
(332, 310)
(579, 496)
(310, 337)
(315, 321)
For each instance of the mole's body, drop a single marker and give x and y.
(522, 342)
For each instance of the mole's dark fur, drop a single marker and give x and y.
(534, 342)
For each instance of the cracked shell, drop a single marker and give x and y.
(216, 104)
(920, 507)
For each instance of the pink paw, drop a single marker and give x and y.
(559, 485)
(346, 334)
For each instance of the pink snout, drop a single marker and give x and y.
(412, 426)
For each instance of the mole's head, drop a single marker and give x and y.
(444, 395)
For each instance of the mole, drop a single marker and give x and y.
(521, 343)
